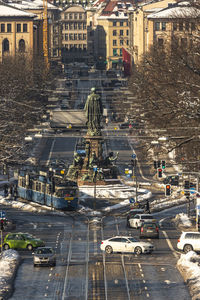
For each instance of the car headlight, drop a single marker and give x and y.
(36, 258)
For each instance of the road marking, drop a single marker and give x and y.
(50, 153)
(170, 245)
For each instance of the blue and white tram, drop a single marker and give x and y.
(43, 188)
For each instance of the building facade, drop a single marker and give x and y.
(16, 32)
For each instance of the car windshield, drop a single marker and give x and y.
(146, 217)
(149, 225)
(44, 251)
(133, 240)
(28, 236)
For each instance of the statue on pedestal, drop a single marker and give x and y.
(94, 111)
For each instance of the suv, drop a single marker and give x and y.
(149, 229)
(132, 213)
(189, 241)
(21, 241)
(139, 219)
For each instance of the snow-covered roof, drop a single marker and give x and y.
(8, 11)
(116, 10)
(35, 4)
(176, 12)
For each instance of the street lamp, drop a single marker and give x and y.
(95, 182)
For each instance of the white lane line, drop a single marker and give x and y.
(170, 245)
(50, 153)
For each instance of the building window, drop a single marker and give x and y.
(84, 26)
(114, 52)
(71, 37)
(160, 42)
(120, 52)
(84, 36)
(174, 26)
(66, 16)
(114, 23)
(9, 27)
(24, 27)
(157, 26)
(184, 43)
(2, 27)
(5, 45)
(163, 26)
(75, 16)
(127, 42)
(80, 16)
(193, 27)
(75, 36)
(66, 37)
(80, 26)
(71, 26)
(121, 23)
(180, 26)
(114, 32)
(79, 36)
(114, 42)
(66, 26)
(121, 32)
(18, 27)
(22, 46)
(187, 26)
(121, 42)
(84, 47)
(75, 25)
(127, 32)
(70, 16)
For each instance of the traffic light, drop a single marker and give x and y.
(186, 185)
(159, 172)
(158, 163)
(163, 164)
(155, 164)
(167, 190)
(2, 225)
(133, 162)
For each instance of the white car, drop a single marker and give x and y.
(137, 220)
(189, 241)
(126, 244)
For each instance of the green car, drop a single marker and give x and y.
(21, 241)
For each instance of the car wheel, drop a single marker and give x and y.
(187, 248)
(108, 249)
(6, 247)
(29, 247)
(138, 250)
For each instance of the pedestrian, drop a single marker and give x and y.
(147, 206)
(11, 190)
(15, 193)
(5, 190)
(107, 120)
(130, 128)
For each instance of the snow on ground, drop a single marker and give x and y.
(189, 266)
(9, 261)
(183, 219)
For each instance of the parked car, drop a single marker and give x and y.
(189, 241)
(21, 241)
(44, 256)
(139, 219)
(126, 244)
(132, 213)
(150, 230)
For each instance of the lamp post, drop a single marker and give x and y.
(95, 184)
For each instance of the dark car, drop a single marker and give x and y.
(150, 230)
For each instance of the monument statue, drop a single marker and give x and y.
(94, 111)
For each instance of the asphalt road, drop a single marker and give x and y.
(83, 271)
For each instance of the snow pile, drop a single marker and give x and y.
(189, 266)
(9, 261)
(183, 219)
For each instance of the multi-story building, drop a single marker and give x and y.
(17, 31)
(139, 27)
(173, 27)
(74, 34)
(36, 7)
(113, 32)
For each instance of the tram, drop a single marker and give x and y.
(48, 188)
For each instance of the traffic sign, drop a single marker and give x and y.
(132, 200)
(126, 171)
(133, 155)
(2, 215)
